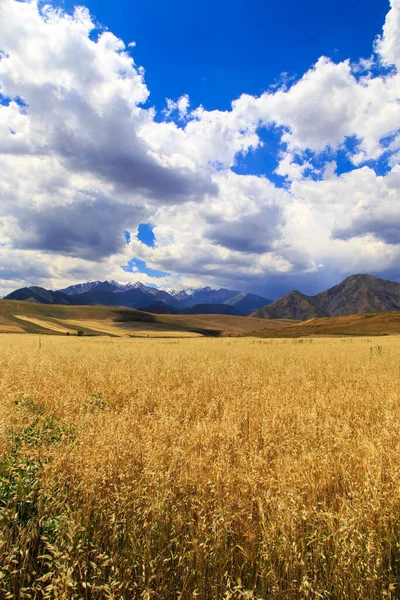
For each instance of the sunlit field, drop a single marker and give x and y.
(199, 468)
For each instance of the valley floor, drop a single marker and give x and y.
(207, 468)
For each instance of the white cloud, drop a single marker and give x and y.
(328, 105)
(388, 45)
(181, 106)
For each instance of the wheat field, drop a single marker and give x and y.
(199, 468)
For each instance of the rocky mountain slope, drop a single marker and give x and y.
(358, 294)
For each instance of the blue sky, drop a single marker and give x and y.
(257, 149)
(216, 50)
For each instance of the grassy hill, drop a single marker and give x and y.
(349, 325)
(29, 317)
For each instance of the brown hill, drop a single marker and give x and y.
(32, 317)
(371, 324)
(293, 305)
(358, 294)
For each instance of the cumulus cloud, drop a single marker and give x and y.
(388, 45)
(327, 106)
(249, 215)
(375, 211)
(83, 102)
(255, 233)
(83, 158)
(181, 106)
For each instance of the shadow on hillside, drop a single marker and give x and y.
(129, 316)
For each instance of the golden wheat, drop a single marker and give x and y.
(203, 468)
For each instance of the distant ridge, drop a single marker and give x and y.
(357, 294)
(39, 295)
(137, 295)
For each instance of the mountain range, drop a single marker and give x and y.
(358, 294)
(150, 299)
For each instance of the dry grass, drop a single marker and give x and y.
(10, 328)
(228, 324)
(46, 324)
(369, 324)
(129, 329)
(206, 468)
(43, 319)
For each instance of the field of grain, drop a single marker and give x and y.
(199, 468)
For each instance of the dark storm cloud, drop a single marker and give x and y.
(85, 230)
(256, 233)
(23, 272)
(383, 228)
